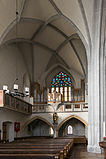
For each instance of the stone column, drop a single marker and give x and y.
(0, 130)
(72, 107)
(104, 110)
(55, 123)
(95, 79)
(55, 130)
(81, 107)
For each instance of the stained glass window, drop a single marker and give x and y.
(61, 83)
(61, 80)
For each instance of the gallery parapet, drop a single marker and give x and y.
(60, 107)
(14, 103)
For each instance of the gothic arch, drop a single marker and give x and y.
(70, 117)
(34, 118)
(56, 69)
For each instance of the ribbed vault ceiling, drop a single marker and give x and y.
(48, 26)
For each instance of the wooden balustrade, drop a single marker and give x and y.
(15, 103)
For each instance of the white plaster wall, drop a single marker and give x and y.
(82, 115)
(77, 77)
(11, 116)
(41, 129)
(61, 116)
(49, 118)
(12, 66)
(26, 132)
(41, 58)
(27, 53)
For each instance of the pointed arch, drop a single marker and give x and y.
(61, 79)
(70, 117)
(35, 118)
(55, 70)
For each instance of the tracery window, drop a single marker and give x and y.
(61, 83)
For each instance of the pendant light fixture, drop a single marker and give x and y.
(15, 85)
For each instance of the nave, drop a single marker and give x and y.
(52, 73)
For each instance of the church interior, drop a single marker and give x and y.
(53, 79)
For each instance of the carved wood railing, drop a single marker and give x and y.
(14, 103)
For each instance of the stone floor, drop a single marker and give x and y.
(80, 152)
